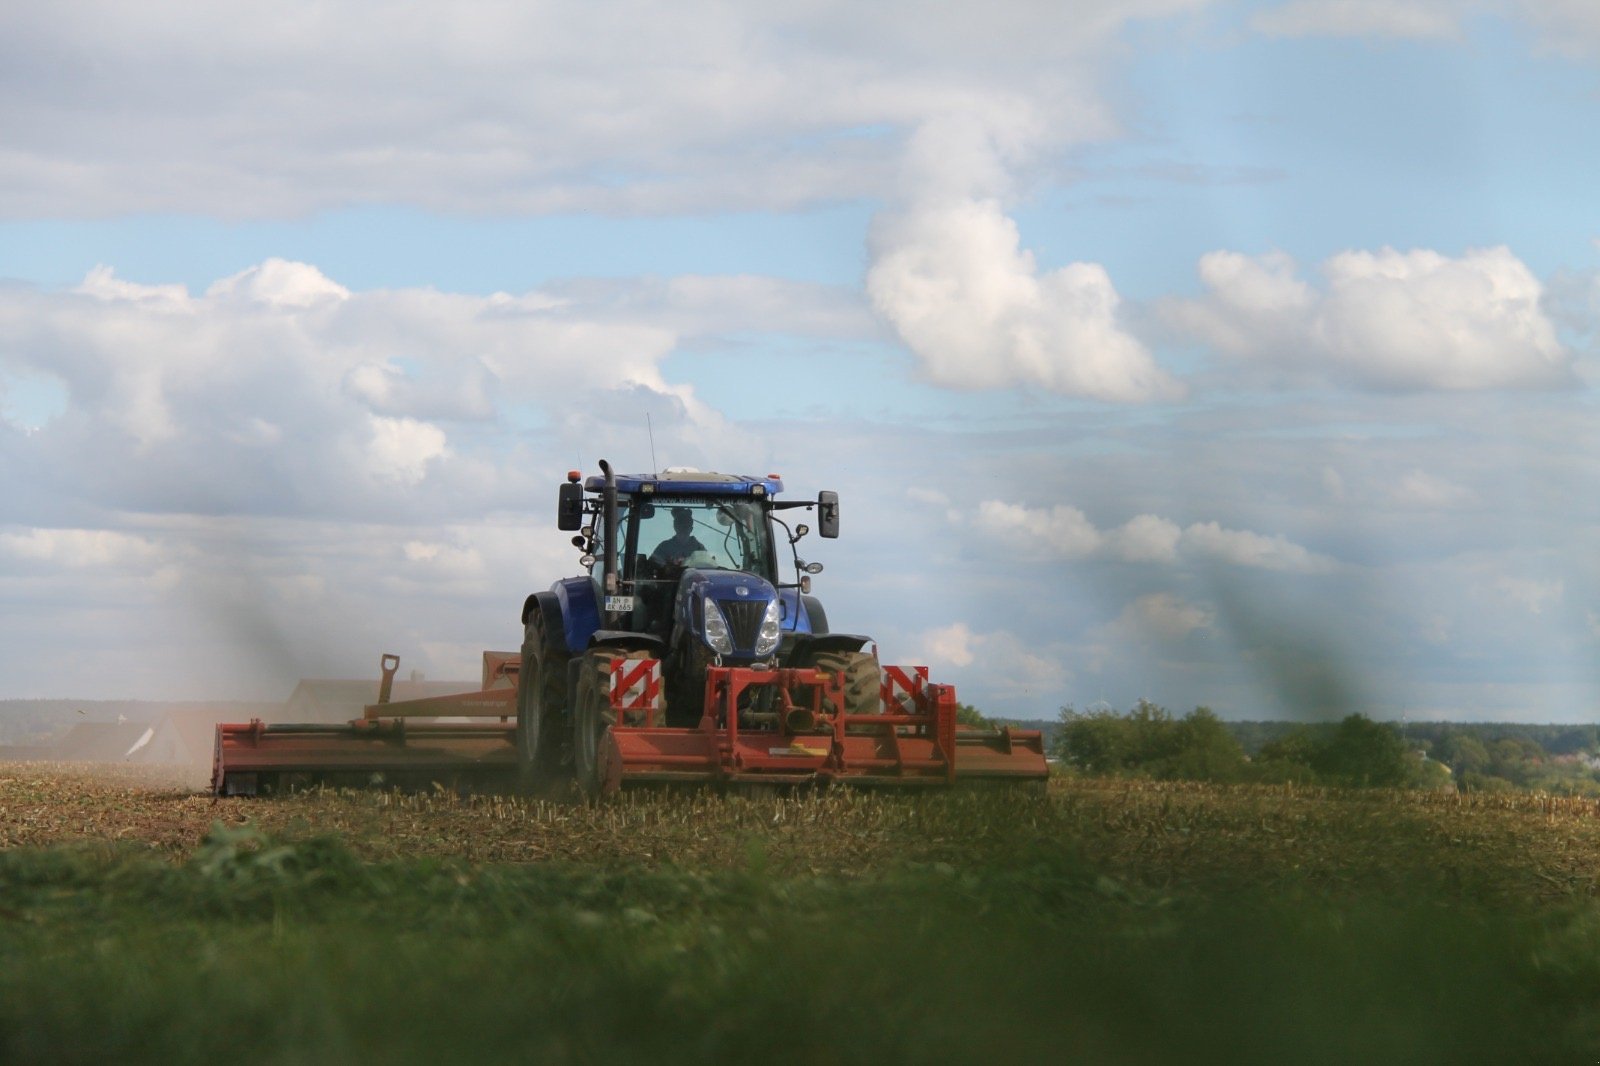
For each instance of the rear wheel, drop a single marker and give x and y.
(861, 684)
(541, 692)
(592, 719)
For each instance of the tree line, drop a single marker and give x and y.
(1149, 741)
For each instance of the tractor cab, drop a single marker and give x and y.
(663, 538)
(708, 533)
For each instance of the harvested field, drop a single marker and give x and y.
(1163, 835)
(1116, 921)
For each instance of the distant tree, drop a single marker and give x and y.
(1295, 747)
(1364, 752)
(1152, 735)
(1464, 753)
(1204, 750)
(1484, 783)
(1571, 740)
(1099, 742)
(1355, 751)
(970, 716)
(1431, 774)
(1517, 759)
(1148, 741)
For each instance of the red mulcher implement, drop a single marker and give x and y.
(679, 656)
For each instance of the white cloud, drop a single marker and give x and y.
(279, 390)
(490, 107)
(1531, 595)
(1064, 532)
(1061, 531)
(1011, 668)
(280, 283)
(1255, 304)
(80, 548)
(1162, 617)
(103, 282)
(704, 108)
(444, 555)
(953, 644)
(1390, 320)
(971, 304)
(1570, 27)
(1402, 19)
(1333, 484)
(1210, 541)
(1418, 488)
(931, 497)
(1146, 538)
(402, 448)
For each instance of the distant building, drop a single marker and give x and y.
(98, 741)
(186, 737)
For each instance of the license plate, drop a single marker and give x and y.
(619, 604)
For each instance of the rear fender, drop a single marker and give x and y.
(577, 611)
(546, 608)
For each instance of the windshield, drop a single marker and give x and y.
(711, 534)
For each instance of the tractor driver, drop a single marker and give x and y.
(679, 546)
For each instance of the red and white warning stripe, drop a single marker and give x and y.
(900, 687)
(636, 684)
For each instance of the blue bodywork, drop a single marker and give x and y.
(578, 600)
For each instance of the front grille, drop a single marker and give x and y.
(744, 618)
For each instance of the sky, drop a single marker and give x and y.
(1238, 354)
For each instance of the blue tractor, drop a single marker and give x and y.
(685, 568)
(680, 655)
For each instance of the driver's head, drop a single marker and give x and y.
(682, 520)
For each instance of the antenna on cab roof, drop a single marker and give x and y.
(655, 467)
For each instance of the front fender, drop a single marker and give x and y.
(806, 647)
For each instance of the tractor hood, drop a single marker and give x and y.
(742, 606)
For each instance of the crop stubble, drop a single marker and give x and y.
(1496, 847)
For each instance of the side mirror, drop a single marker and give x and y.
(569, 506)
(828, 514)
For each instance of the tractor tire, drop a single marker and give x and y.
(592, 719)
(861, 681)
(541, 714)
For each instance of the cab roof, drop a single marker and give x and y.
(690, 483)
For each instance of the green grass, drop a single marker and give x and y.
(1113, 923)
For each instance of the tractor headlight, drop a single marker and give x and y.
(718, 635)
(767, 638)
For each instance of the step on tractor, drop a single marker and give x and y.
(678, 654)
